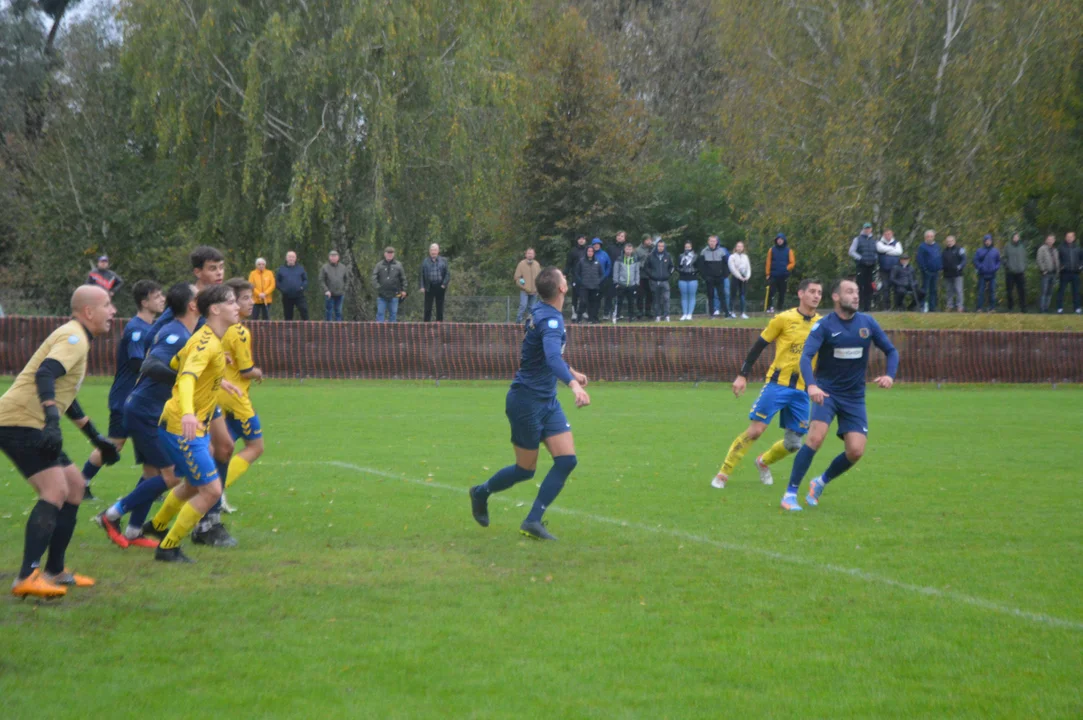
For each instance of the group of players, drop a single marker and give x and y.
(180, 393)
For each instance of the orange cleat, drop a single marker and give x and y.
(111, 530)
(69, 578)
(36, 585)
(144, 542)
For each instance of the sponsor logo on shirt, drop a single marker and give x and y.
(849, 353)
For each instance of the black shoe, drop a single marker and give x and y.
(87, 495)
(215, 536)
(535, 529)
(150, 531)
(172, 555)
(480, 507)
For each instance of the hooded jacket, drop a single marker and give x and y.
(780, 260)
(607, 263)
(1015, 257)
(713, 263)
(658, 266)
(626, 272)
(987, 261)
(590, 272)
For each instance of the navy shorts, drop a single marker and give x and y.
(790, 404)
(849, 411)
(143, 431)
(533, 419)
(117, 429)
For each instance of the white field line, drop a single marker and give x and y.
(873, 578)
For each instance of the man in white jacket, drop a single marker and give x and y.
(741, 270)
(888, 250)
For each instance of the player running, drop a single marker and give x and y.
(131, 350)
(784, 393)
(534, 412)
(30, 435)
(841, 343)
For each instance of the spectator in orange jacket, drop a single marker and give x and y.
(263, 288)
(780, 262)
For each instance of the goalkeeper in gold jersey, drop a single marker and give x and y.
(784, 392)
(200, 385)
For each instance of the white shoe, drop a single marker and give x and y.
(667, 318)
(716, 313)
(574, 316)
(765, 472)
(1060, 311)
(614, 319)
(1078, 311)
(744, 317)
(719, 481)
(226, 507)
(658, 319)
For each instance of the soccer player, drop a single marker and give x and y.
(241, 417)
(784, 393)
(30, 435)
(534, 412)
(840, 343)
(130, 353)
(201, 372)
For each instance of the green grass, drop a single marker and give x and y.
(928, 321)
(939, 578)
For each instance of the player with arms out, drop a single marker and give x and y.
(131, 350)
(30, 435)
(201, 372)
(840, 343)
(534, 412)
(784, 393)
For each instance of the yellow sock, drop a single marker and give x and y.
(776, 453)
(737, 451)
(186, 520)
(237, 466)
(169, 509)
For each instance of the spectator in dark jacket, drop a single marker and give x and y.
(571, 273)
(105, 278)
(659, 267)
(888, 252)
(780, 263)
(1015, 267)
(930, 263)
(435, 277)
(953, 260)
(615, 251)
(590, 275)
(987, 263)
(714, 267)
(687, 280)
(333, 277)
(626, 280)
(863, 251)
(1071, 263)
(645, 301)
(1049, 267)
(389, 278)
(904, 283)
(292, 281)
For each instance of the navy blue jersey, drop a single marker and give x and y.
(149, 396)
(843, 349)
(542, 361)
(130, 353)
(163, 320)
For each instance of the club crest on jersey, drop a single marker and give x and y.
(136, 335)
(553, 323)
(172, 339)
(863, 332)
(73, 339)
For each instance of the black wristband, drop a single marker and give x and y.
(52, 414)
(89, 430)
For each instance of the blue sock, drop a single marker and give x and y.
(90, 470)
(144, 494)
(801, 463)
(504, 479)
(552, 485)
(838, 466)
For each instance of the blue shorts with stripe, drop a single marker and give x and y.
(850, 412)
(249, 429)
(192, 459)
(791, 405)
(143, 431)
(533, 419)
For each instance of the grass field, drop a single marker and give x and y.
(939, 578)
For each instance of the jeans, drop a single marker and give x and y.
(930, 283)
(526, 302)
(261, 312)
(954, 293)
(434, 293)
(778, 293)
(626, 298)
(688, 295)
(332, 308)
(388, 307)
(299, 302)
(1047, 291)
(865, 275)
(1017, 282)
(987, 285)
(738, 289)
(660, 295)
(1068, 278)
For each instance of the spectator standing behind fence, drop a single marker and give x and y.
(987, 263)
(333, 281)
(930, 263)
(1071, 263)
(571, 270)
(590, 282)
(1015, 265)
(714, 267)
(389, 278)
(659, 267)
(626, 281)
(741, 269)
(645, 301)
(904, 284)
(953, 262)
(105, 278)
(780, 263)
(687, 280)
(1049, 267)
(292, 282)
(888, 252)
(526, 275)
(435, 277)
(262, 281)
(863, 251)
(615, 251)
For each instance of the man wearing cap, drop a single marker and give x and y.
(389, 277)
(930, 263)
(904, 281)
(987, 263)
(863, 251)
(105, 278)
(333, 279)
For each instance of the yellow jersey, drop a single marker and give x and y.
(200, 366)
(69, 345)
(237, 344)
(788, 331)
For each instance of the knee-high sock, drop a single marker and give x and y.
(737, 451)
(90, 470)
(801, 465)
(39, 531)
(552, 485)
(58, 544)
(144, 493)
(503, 479)
(186, 520)
(167, 511)
(237, 466)
(775, 453)
(838, 466)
